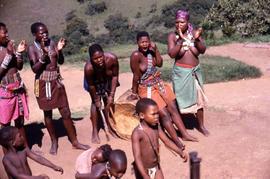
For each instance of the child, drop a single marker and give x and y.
(91, 157)
(116, 167)
(145, 143)
(15, 159)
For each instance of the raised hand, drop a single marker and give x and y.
(198, 33)
(152, 46)
(22, 46)
(10, 47)
(43, 46)
(61, 43)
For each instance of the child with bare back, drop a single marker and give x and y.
(116, 167)
(15, 159)
(145, 144)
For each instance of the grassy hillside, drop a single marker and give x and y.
(20, 14)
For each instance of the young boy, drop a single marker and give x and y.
(15, 159)
(92, 156)
(145, 143)
(116, 167)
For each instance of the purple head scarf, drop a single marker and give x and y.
(182, 14)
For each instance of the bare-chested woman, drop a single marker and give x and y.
(101, 79)
(50, 92)
(185, 45)
(13, 101)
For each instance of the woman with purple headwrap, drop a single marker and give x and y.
(185, 45)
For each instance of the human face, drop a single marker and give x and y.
(181, 24)
(18, 140)
(42, 34)
(3, 36)
(143, 43)
(98, 157)
(151, 116)
(118, 170)
(98, 59)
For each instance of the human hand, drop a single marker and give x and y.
(10, 47)
(22, 46)
(43, 176)
(110, 101)
(184, 156)
(61, 44)
(179, 31)
(98, 104)
(198, 33)
(152, 46)
(132, 96)
(58, 169)
(43, 46)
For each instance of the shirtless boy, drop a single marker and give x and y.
(116, 167)
(45, 55)
(15, 159)
(185, 45)
(145, 144)
(101, 77)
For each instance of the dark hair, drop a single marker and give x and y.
(34, 27)
(143, 103)
(94, 48)
(142, 34)
(2, 25)
(118, 156)
(106, 151)
(7, 135)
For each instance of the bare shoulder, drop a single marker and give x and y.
(135, 56)
(88, 67)
(136, 133)
(110, 56)
(171, 35)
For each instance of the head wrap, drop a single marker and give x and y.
(182, 14)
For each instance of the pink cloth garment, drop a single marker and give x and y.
(84, 161)
(13, 102)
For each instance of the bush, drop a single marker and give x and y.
(97, 8)
(243, 17)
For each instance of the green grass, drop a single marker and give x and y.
(215, 69)
(235, 38)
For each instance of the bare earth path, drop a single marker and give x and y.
(237, 117)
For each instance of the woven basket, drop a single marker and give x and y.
(124, 116)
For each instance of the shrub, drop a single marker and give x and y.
(96, 8)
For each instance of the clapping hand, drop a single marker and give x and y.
(22, 46)
(10, 47)
(61, 44)
(198, 33)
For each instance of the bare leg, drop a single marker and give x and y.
(176, 117)
(19, 123)
(201, 126)
(51, 130)
(70, 128)
(167, 124)
(94, 117)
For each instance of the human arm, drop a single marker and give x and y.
(13, 172)
(60, 45)
(198, 41)
(135, 68)
(171, 145)
(97, 171)
(159, 59)
(114, 82)
(37, 63)
(135, 140)
(43, 161)
(175, 47)
(89, 74)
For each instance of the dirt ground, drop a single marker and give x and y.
(237, 117)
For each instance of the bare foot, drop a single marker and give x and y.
(204, 131)
(79, 146)
(54, 148)
(95, 139)
(188, 137)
